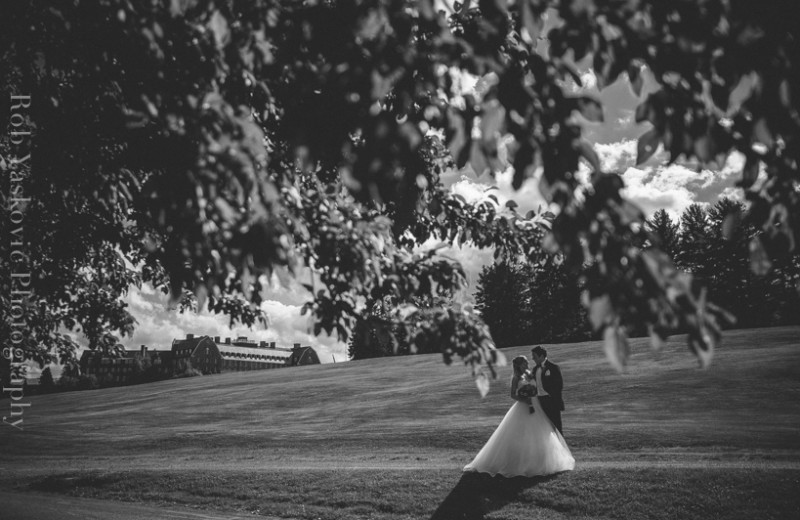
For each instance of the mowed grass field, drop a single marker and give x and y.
(387, 438)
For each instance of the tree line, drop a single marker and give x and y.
(525, 303)
(143, 370)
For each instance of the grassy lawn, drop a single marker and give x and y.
(446, 495)
(387, 438)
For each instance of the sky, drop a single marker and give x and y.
(652, 186)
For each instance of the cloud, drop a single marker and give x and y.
(652, 192)
(527, 197)
(655, 185)
(616, 157)
(158, 325)
(472, 260)
(473, 190)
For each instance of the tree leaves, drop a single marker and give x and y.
(616, 346)
(704, 340)
(647, 146)
(750, 170)
(635, 77)
(731, 223)
(459, 140)
(483, 383)
(601, 311)
(235, 129)
(586, 150)
(532, 21)
(657, 341)
(760, 262)
(493, 118)
(762, 133)
(179, 7)
(219, 28)
(492, 126)
(590, 108)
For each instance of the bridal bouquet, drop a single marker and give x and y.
(527, 389)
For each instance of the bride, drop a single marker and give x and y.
(526, 443)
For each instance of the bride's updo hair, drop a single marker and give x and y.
(517, 363)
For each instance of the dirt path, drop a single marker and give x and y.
(776, 460)
(594, 464)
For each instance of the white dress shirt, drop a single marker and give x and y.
(540, 389)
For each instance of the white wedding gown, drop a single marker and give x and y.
(524, 444)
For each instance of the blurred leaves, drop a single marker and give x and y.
(211, 143)
(616, 347)
(647, 146)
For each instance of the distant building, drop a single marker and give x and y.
(212, 355)
(200, 353)
(120, 369)
(114, 369)
(203, 353)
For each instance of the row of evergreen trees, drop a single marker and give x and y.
(524, 304)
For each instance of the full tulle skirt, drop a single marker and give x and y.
(524, 445)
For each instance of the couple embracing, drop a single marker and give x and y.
(529, 441)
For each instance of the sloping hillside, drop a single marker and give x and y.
(749, 398)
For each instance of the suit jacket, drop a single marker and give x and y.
(552, 382)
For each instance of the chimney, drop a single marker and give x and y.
(227, 341)
(144, 350)
(272, 345)
(216, 339)
(190, 336)
(297, 345)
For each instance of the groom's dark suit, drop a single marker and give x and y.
(553, 384)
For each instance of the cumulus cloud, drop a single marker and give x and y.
(654, 191)
(472, 260)
(732, 192)
(655, 185)
(616, 157)
(473, 190)
(158, 325)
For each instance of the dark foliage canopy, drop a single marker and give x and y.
(199, 144)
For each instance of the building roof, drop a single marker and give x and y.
(150, 350)
(234, 352)
(306, 353)
(190, 342)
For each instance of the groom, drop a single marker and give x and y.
(549, 385)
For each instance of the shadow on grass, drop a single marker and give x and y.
(478, 494)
